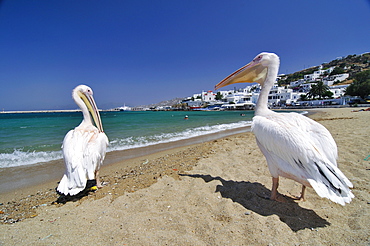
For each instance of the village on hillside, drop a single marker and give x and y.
(333, 80)
(280, 96)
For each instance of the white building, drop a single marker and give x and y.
(306, 87)
(338, 90)
(297, 83)
(318, 74)
(281, 95)
(208, 96)
(239, 97)
(197, 103)
(249, 96)
(338, 77)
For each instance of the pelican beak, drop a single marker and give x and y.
(91, 105)
(250, 73)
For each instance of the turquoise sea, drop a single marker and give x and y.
(36, 138)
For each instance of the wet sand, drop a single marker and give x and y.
(209, 193)
(18, 178)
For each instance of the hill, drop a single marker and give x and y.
(170, 102)
(351, 64)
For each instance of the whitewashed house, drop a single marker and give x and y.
(338, 90)
(239, 97)
(281, 95)
(338, 77)
(318, 74)
(297, 83)
(208, 96)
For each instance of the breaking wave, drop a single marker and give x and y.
(19, 157)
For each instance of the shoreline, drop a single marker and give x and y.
(291, 108)
(210, 193)
(163, 160)
(21, 177)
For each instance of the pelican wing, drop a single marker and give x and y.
(95, 153)
(83, 152)
(299, 148)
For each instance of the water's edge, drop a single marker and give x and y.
(14, 178)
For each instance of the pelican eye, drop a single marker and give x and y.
(257, 58)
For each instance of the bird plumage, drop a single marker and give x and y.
(84, 147)
(303, 150)
(294, 146)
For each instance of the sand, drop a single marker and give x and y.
(212, 193)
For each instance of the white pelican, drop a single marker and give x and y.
(83, 147)
(294, 146)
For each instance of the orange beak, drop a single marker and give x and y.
(250, 73)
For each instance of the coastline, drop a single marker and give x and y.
(49, 111)
(208, 193)
(22, 177)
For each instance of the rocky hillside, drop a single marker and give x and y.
(170, 102)
(351, 64)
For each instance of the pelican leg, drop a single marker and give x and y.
(302, 193)
(274, 193)
(275, 185)
(301, 197)
(98, 183)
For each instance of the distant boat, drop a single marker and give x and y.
(124, 108)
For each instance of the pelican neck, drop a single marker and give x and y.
(261, 107)
(85, 112)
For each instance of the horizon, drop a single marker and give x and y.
(143, 52)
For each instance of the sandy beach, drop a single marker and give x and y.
(209, 193)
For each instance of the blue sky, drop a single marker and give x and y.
(137, 52)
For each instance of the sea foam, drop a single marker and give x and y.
(137, 142)
(19, 157)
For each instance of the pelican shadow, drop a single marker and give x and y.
(255, 197)
(63, 199)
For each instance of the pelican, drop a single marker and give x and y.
(83, 147)
(294, 146)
